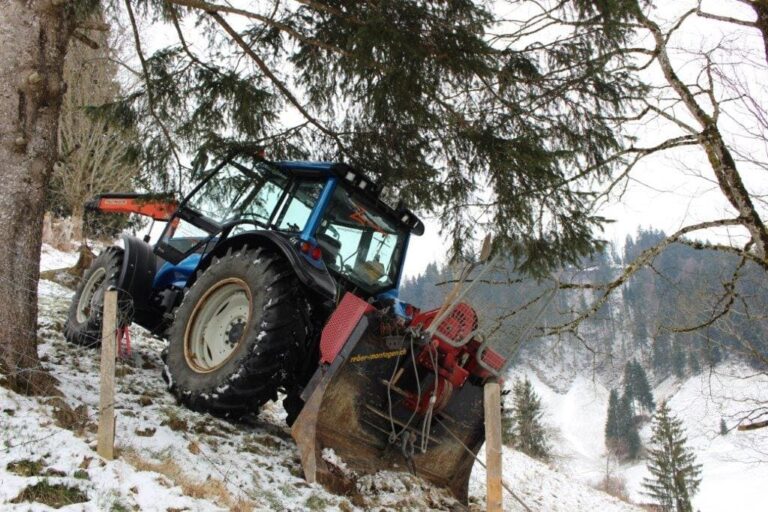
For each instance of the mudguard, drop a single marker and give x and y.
(135, 281)
(318, 280)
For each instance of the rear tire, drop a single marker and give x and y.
(84, 320)
(234, 332)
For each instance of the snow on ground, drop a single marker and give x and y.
(54, 259)
(542, 488)
(173, 459)
(735, 466)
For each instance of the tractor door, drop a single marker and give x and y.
(233, 195)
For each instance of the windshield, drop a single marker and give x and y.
(359, 243)
(255, 195)
(238, 192)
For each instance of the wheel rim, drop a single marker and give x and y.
(90, 298)
(218, 325)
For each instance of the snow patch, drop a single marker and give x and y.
(734, 468)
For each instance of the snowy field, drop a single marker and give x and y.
(735, 466)
(172, 459)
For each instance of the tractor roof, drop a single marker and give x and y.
(304, 165)
(353, 179)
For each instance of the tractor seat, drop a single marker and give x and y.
(370, 271)
(330, 247)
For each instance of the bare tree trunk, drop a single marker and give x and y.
(718, 153)
(761, 9)
(78, 227)
(33, 42)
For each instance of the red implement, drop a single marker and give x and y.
(390, 398)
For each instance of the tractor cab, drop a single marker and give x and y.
(327, 216)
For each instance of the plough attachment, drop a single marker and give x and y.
(394, 397)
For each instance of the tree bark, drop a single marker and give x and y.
(78, 223)
(761, 9)
(33, 42)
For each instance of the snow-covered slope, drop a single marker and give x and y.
(735, 466)
(542, 488)
(170, 458)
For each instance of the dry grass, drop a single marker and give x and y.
(26, 467)
(53, 495)
(210, 489)
(66, 417)
(174, 421)
(614, 486)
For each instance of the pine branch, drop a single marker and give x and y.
(150, 93)
(276, 81)
(183, 41)
(215, 8)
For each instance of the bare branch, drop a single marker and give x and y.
(87, 41)
(711, 139)
(754, 426)
(641, 261)
(727, 19)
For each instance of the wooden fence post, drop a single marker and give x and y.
(106, 433)
(492, 402)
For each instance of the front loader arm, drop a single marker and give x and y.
(156, 206)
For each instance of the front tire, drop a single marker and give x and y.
(84, 320)
(233, 333)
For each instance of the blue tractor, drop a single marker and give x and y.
(283, 277)
(250, 265)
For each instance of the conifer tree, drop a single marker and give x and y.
(642, 388)
(723, 427)
(675, 475)
(612, 430)
(621, 436)
(527, 431)
(661, 354)
(640, 332)
(678, 360)
(507, 435)
(693, 363)
(636, 386)
(628, 384)
(630, 438)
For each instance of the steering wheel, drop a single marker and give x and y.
(255, 218)
(332, 230)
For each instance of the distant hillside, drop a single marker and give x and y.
(651, 317)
